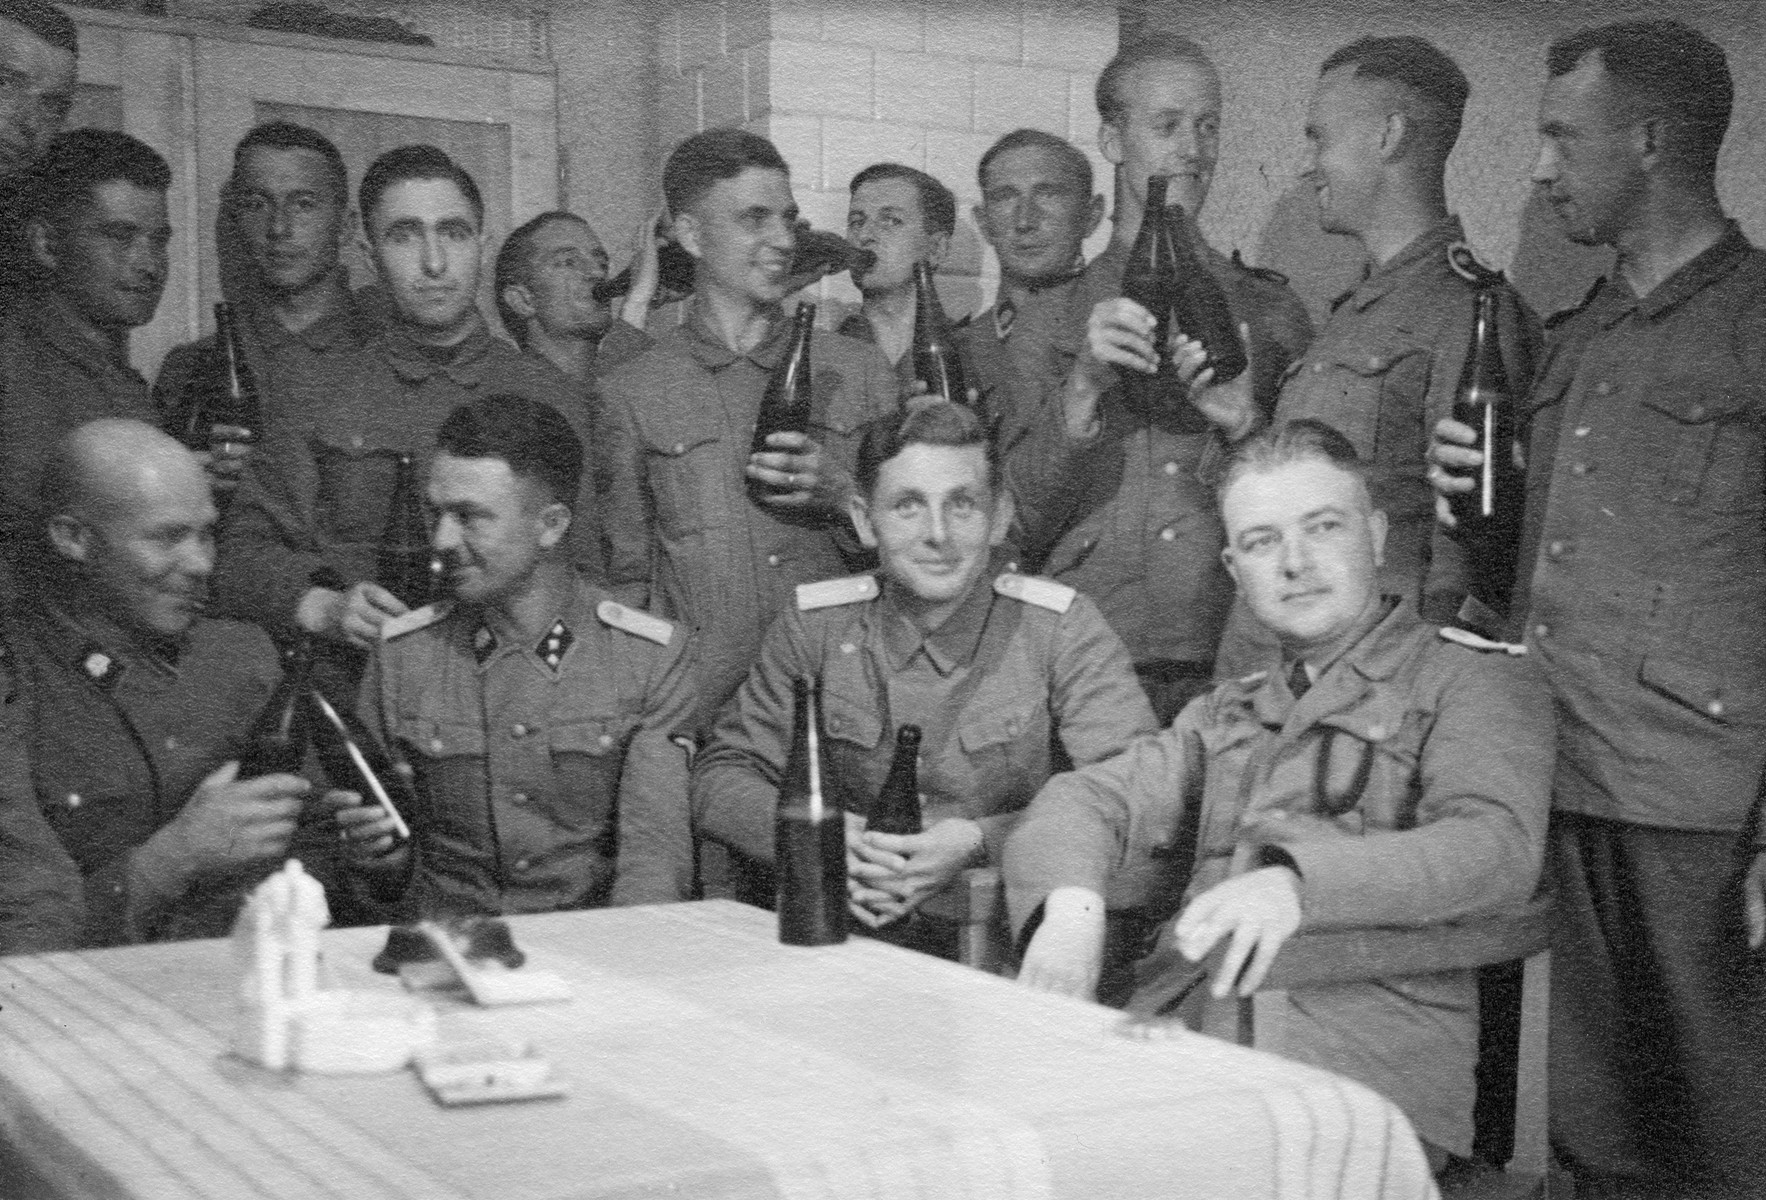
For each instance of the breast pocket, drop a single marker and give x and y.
(855, 749)
(1705, 434)
(682, 471)
(448, 763)
(589, 754)
(355, 490)
(1375, 400)
(1006, 754)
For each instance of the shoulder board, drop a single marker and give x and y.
(1044, 593)
(831, 593)
(635, 622)
(1558, 318)
(1269, 273)
(1466, 637)
(417, 618)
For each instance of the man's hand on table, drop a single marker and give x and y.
(1259, 909)
(867, 901)
(1066, 954)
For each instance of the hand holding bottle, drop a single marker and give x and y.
(228, 823)
(797, 474)
(1230, 407)
(353, 616)
(367, 831)
(646, 271)
(927, 860)
(1453, 463)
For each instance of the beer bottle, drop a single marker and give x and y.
(224, 392)
(786, 405)
(937, 364)
(1199, 305)
(277, 742)
(810, 834)
(1488, 518)
(406, 565)
(354, 760)
(820, 254)
(674, 278)
(897, 807)
(1150, 279)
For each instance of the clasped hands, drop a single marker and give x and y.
(889, 875)
(1119, 335)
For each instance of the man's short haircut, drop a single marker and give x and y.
(1163, 47)
(937, 424)
(77, 163)
(533, 438)
(938, 206)
(286, 135)
(702, 161)
(515, 266)
(44, 21)
(1417, 65)
(1304, 440)
(1072, 156)
(1668, 70)
(408, 163)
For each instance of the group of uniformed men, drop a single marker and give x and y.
(632, 591)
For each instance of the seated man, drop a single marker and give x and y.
(134, 708)
(543, 721)
(988, 668)
(1384, 773)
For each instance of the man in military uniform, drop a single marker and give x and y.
(39, 54)
(697, 527)
(994, 669)
(1380, 773)
(96, 225)
(42, 899)
(1643, 562)
(1131, 520)
(136, 708)
(284, 213)
(904, 217)
(547, 726)
(311, 513)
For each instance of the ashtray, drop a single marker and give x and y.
(478, 939)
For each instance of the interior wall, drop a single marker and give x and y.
(1269, 53)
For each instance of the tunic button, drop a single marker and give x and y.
(848, 648)
(1168, 534)
(520, 798)
(356, 442)
(73, 800)
(772, 560)
(519, 730)
(1171, 468)
(1376, 733)
(435, 745)
(1317, 367)
(1604, 388)
(1541, 630)
(1555, 549)
(171, 743)
(680, 447)
(835, 723)
(1715, 708)
(1696, 412)
(1581, 431)
(1373, 363)
(1579, 468)
(606, 740)
(522, 864)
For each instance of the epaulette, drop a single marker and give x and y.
(1558, 318)
(831, 593)
(1467, 638)
(635, 622)
(1031, 589)
(417, 618)
(1269, 273)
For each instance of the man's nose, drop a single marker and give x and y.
(446, 534)
(1545, 165)
(281, 221)
(196, 556)
(1026, 215)
(1296, 557)
(937, 526)
(435, 256)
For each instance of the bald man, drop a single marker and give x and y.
(135, 706)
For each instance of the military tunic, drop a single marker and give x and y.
(683, 535)
(42, 900)
(858, 327)
(1020, 660)
(548, 773)
(120, 734)
(1451, 822)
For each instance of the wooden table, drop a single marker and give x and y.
(703, 1060)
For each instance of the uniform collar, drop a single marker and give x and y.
(708, 348)
(952, 645)
(95, 647)
(1705, 269)
(345, 327)
(488, 635)
(415, 362)
(60, 334)
(1427, 249)
(858, 327)
(1373, 653)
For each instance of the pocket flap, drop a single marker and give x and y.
(1695, 401)
(597, 735)
(438, 739)
(1700, 687)
(992, 730)
(851, 721)
(1373, 360)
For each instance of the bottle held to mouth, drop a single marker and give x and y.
(809, 858)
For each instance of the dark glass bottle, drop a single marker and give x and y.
(674, 278)
(1488, 518)
(810, 834)
(937, 363)
(224, 391)
(354, 760)
(1199, 305)
(406, 564)
(789, 399)
(897, 807)
(818, 254)
(277, 743)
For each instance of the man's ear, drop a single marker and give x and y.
(1652, 141)
(860, 512)
(71, 537)
(41, 238)
(1395, 138)
(1110, 143)
(520, 300)
(687, 232)
(554, 522)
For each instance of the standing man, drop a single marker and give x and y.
(97, 230)
(1375, 774)
(545, 281)
(39, 53)
(288, 203)
(302, 540)
(1644, 563)
(136, 707)
(546, 724)
(993, 668)
(698, 527)
(1137, 528)
(904, 217)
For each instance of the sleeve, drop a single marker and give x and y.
(736, 777)
(1098, 702)
(1485, 779)
(42, 899)
(622, 343)
(1085, 824)
(270, 553)
(654, 864)
(1050, 472)
(377, 898)
(625, 503)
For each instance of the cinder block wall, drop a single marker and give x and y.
(840, 84)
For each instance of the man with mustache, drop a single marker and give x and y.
(1642, 565)
(303, 537)
(96, 227)
(284, 211)
(698, 527)
(135, 706)
(547, 725)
